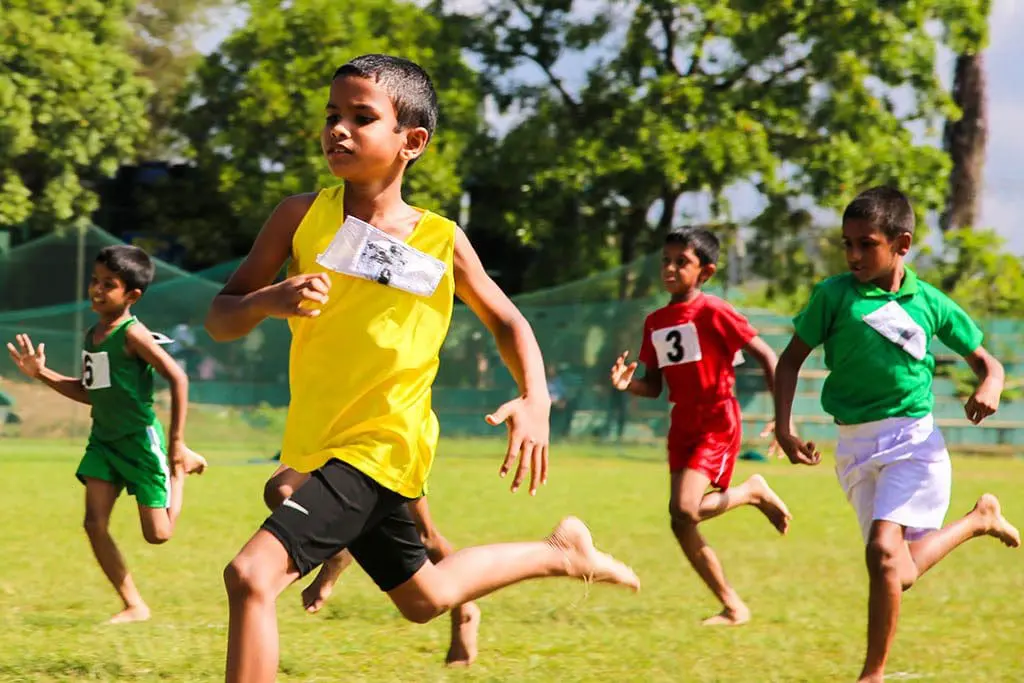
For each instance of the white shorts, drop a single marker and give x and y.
(896, 470)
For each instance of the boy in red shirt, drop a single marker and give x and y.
(691, 344)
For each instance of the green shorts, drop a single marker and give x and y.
(137, 462)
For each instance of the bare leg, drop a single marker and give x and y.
(262, 570)
(100, 497)
(894, 566)
(254, 579)
(158, 523)
(472, 573)
(886, 554)
(754, 491)
(465, 618)
(986, 519)
(692, 504)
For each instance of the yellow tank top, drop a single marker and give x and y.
(360, 373)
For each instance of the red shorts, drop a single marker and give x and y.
(706, 438)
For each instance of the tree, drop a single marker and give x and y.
(804, 102)
(162, 41)
(73, 108)
(965, 141)
(255, 111)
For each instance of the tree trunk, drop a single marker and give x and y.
(965, 141)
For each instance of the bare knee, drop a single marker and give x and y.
(243, 578)
(683, 516)
(156, 536)
(95, 526)
(881, 556)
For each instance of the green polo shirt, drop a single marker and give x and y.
(873, 378)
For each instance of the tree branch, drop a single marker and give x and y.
(698, 50)
(536, 23)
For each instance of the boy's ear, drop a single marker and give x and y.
(416, 140)
(903, 242)
(133, 295)
(706, 272)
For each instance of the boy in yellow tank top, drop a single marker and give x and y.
(365, 340)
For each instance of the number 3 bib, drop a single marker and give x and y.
(676, 345)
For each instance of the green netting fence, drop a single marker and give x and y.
(581, 326)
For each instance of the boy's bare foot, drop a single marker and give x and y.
(130, 614)
(586, 562)
(316, 593)
(465, 626)
(993, 522)
(730, 616)
(770, 504)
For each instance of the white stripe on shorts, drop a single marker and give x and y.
(161, 458)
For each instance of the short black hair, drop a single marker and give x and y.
(406, 83)
(885, 208)
(131, 264)
(703, 242)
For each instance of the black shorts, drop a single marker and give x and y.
(340, 507)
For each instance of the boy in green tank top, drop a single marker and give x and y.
(876, 324)
(126, 446)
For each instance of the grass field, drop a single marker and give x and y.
(964, 622)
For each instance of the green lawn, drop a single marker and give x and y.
(964, 622)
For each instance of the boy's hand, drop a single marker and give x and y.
(292, 297)
(797, 450)
(528, 429)
(622, 374)
(31, 361)
(184, 457)
(984, 402)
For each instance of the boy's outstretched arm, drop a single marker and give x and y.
(528, 415)
(250, 295)
(985, 399)
(31, 360)
(786, 375)
(624, 379)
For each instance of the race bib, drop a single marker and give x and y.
(676, 345)
(896, 325)
(95, 370)
(361, 250)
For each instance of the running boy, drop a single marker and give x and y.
(361, 367)
(691, 344)
(876, 324)
(126, 446)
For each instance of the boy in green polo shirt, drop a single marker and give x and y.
(126, 448)
(876, 323)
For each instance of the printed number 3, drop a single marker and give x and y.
(675, 338)
(87, 373)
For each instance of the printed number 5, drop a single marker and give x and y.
(675, 338)
(87, 376)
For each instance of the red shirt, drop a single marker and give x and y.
(694, 344)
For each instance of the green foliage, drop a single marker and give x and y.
(255, 111)
(73, 107)
(975, 269)
(162, 41)
(796, 99)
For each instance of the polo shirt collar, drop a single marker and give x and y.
(911, 285)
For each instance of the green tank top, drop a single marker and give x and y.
(120, 386)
